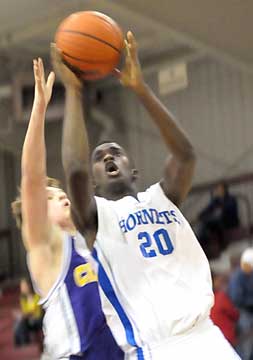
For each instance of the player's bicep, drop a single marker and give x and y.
(35, 224)
(177, 179)
(43, 260)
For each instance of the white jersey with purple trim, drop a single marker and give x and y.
(74, 324)
(151, 269)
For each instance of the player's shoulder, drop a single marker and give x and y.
(154, 188)
(101, 200)
(81, 246)
(154, 191)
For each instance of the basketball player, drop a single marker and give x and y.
(74, 324)
(151, 266)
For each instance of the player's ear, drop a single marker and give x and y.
(135, 174)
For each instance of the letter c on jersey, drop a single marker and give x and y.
(84, 274)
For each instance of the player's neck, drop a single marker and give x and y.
(69, 228)
(116, 193)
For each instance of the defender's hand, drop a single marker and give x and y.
(43, 88)
(67, 76)
(131, 75)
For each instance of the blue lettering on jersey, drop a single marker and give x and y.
(151, 244)
(131, 222)
(162, 240)
(148, 216)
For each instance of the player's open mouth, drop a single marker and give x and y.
(111, 168)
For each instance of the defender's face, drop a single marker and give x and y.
(58, 206)
(110, 164)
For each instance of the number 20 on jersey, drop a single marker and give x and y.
(160, 238)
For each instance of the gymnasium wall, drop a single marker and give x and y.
(216, 111)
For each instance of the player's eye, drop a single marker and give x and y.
(98, 156)
(116, 152)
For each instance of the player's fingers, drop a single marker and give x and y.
(128, 54)
(55, 55)
(53, 48)
(132, 44)
(116, 73)
(50, 80)
(36, 70)
(131, 38)
(58, 53)
(127, 48)
(37, 76)
(35, 65)
(41, 69)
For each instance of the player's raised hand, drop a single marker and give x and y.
(43, 88)
(67, 76)
(131, 76)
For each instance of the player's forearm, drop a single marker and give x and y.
(34, 150)
(75, 144)
(33, 182)
(76, 158)
(172, 133)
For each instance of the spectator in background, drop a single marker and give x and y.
(224, 314)
(29, 319)
(241, 293)
(219, 215)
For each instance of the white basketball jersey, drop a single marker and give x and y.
(151, 269)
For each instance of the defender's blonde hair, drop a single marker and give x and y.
(16, 204)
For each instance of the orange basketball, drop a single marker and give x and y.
(91, 43)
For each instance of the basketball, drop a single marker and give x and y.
(91, 43)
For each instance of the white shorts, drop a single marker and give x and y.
(204, 342)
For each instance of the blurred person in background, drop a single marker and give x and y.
(224, 313)
(29, 318)
(241, 293)
(219, 215)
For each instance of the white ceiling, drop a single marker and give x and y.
(165, 30)
(220, 27)
(27, 27)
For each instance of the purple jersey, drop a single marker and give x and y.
(74, 323)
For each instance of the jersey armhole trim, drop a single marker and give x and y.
(66, 249)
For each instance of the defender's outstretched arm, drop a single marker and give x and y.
(33, 164)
